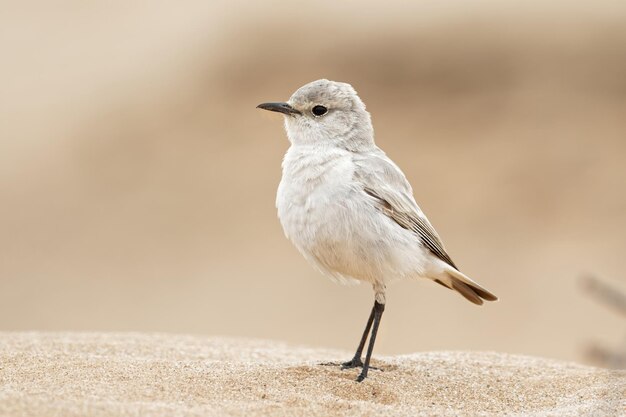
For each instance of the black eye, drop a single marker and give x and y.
(319, 110)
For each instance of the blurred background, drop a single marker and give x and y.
(137, 179)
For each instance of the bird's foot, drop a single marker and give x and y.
(354, 363)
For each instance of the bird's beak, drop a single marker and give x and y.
(283, 108)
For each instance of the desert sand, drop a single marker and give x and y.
(106, 374)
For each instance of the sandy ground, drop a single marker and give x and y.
(99, 374)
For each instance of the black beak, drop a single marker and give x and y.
(283, 108)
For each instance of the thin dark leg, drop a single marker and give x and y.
(378, 313)
(356, 361)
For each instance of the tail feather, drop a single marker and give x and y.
(465, 286)
(466, 291)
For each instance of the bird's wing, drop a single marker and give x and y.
(389, 189)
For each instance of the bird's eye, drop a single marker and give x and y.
(319, 110)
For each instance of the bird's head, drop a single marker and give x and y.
(327, 113)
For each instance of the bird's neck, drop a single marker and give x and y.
(356, 137)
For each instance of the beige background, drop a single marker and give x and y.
(137, 180)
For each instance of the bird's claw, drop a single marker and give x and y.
(354, 363)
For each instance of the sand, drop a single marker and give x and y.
(99, 374)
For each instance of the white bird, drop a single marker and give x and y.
(349, 209)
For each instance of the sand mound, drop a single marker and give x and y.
(44, 374)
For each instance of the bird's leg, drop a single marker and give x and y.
(356, 361)
(378, 313)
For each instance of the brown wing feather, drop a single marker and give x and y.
(416, 224)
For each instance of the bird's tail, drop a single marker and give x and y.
(465, 286)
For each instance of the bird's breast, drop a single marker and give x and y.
(313, 191)
(321, 210)
(333, 223)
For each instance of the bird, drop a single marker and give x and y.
(349, 209)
